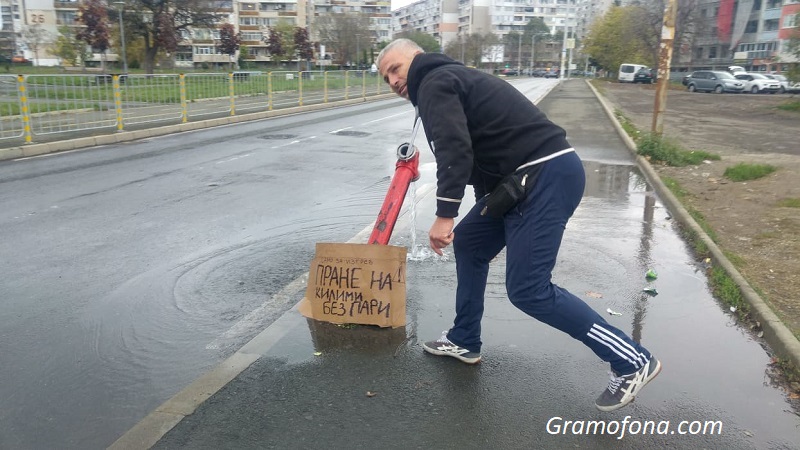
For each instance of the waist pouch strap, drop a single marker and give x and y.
(514, 187)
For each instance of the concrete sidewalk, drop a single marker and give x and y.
(307, 384)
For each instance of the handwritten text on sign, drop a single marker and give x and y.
(357, 283)
(341, 287)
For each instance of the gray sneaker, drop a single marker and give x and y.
(443, 347)
(623, 389)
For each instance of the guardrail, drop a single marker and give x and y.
(46, 107)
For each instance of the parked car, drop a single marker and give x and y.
(646, 75)
(685, 79)
(19, 59)
(713, 81)
(780, 79)
(509, 72)
(539, 72)
(551, 74)
(756, 83)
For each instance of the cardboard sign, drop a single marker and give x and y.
(357, 283)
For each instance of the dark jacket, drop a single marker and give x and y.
(479, 127)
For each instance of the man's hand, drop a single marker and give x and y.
(441, 234)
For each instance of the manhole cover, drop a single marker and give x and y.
(352, 133)
(278, 136)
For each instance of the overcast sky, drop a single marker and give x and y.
(400, 3)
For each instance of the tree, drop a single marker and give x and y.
(244, 55)
(305, 49)
(472, 49)
(35, 38)
(793, 49)
(633, 33)
(612, 41)
(303, 45)
(424, 40)
(8, 44)
(160, 23)
(345, 33)
(229, 41)
(280, 42)
(96, 34)
(69, 48)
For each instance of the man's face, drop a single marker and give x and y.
(394, 69)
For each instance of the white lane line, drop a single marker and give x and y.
(65, 152)
(294, 142)
(388, 117)
(340, 129)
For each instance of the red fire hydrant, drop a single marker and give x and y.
(406, 171)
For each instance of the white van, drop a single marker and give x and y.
(736, 69)
(628, 71)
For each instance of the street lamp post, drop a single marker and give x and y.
(120, 7)
(532, 63)
(358, 51)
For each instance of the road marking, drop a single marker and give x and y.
(340, 129)
(294, 142)
(388, 117)
(65, 152)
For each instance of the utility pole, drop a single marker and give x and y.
(461, 41)
(563, 52)
(358, 50)
(120, 7)
(519, 55)
(664, 62)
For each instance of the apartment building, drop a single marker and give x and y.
(446, 19)
(252, 18)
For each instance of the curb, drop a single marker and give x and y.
(776, 333)
(28, 150)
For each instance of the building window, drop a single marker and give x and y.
(790, 21)
(712, 52)
(198, 50)
(250, 36)
(772, 4)
(752, 26)
(771, 25)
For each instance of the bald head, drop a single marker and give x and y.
(404, 46)
(393, 63)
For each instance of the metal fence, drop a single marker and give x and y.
(49, 106)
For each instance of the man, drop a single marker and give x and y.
(481, 129)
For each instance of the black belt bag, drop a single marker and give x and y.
(513, 188)
(508, 193)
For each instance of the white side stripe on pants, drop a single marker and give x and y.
(617, 345)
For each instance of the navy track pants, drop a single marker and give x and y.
(532, 233)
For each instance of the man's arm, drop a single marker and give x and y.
(442, 113)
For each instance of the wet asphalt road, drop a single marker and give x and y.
(126, 267)
(137, 267)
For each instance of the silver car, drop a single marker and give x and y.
(757, 83)
(713, 81)
(780, 79)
